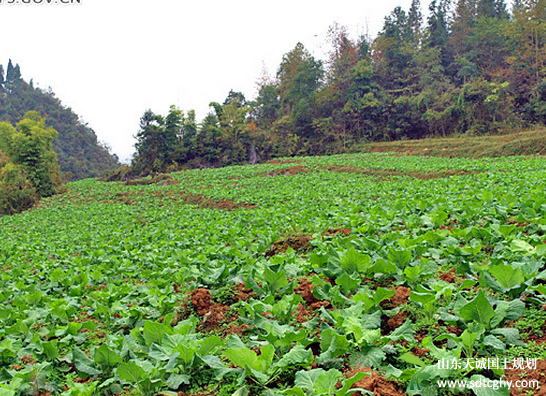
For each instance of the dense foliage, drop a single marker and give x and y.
(78, 151)
(28, 165)
(283, 278)
(472, 67)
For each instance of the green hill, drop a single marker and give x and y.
(77, 148)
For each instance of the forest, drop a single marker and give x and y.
(79, 153)
(470, 67)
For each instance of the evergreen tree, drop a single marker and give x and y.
(235, 98)
(149, 156)
(13, 73)
(415, 21)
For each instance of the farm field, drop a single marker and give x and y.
(304, 276)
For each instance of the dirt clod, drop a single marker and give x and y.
(400, 297)
(305, 290)
(201, 301)
(396, 321)
(448, 277)
(374, 383)
(300, 243)
(337, 231)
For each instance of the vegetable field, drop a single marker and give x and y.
(308, 276)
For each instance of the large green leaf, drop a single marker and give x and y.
(275, 280)
(507, 276)
(84, 363)
(478, 309)
(153, 332)
(297, 356)
(104, 356)
(355, 262)
(399, 257)
(131, 372)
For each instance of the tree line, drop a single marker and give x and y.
(471, 67)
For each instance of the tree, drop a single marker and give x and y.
(173, 132)
(235, 98)
(527, 36)
(415, 21)
(13, 73)
(438, 30)
(149, 156)
(31, 169)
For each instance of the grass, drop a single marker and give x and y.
(519, 143)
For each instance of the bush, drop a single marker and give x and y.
(16, 191)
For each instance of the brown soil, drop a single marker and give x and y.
(288, 161)
(201, 301)
(537, 338)
(319, 304)
(303, 314)
(312, 304)
(528, 374)
(422, 334)
(215, 316)
(419, 352)
(400, 298)
(396, 321)
(238, 329)
(455, 330)
(336, 231)
(448, 277)
(305, 290)
(243, 294)
(374, 383)
(293, 170)
(161, 179)
(299, 243)
(383, 174)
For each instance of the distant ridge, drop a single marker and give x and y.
(79, 153)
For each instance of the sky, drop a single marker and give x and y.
(112, 60)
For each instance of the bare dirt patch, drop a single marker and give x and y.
(396, 321)
(419, 351)
(287, 161)
(213, 315)
(291, 171)
(337, 231)
(243, 294)
(201, 301)
(305, 290)
(400, 297)
(384, 174)
(312, 304)
(448, 277)
(374, 383)
(528, 374)
(300, 243)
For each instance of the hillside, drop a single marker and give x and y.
(531, 142)
(304, 276)
(78, 150)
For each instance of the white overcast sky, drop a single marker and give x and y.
(110, 60)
